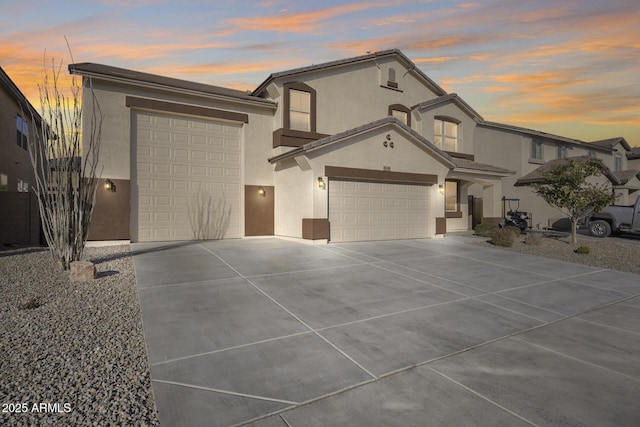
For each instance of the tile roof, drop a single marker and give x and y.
(390, 52)
(482, 167)
(634, 153)
(99, 70)
(310, 146)
(537, 176)
(535, 133)
(450, 97)
(627, 175)
(612, 142)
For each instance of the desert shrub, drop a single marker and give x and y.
(485, 230)
(584, 250)
(29, 304)
(514, 229)
(534, 239)
(504, 237)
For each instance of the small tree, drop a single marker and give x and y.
(65, 175)
(565, 187)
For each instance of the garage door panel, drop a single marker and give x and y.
(378, 211)
(177, 160)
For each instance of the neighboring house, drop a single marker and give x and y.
(366, 148)
(19, 214)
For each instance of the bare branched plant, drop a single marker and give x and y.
(209, 217)
(65, 175)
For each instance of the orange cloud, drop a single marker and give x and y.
(435, 59)
(296, 22)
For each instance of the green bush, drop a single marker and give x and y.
(534, 239)
(504, 237)
(514, 229)
(584, 250)
(485, 230)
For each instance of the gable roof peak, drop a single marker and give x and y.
(370, 56)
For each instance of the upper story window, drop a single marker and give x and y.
(299, 107)
(536, 150)
(445, 134)
(22, 132)
(592, 154)
(562, 151)
(401, 113)
(391, 81)
(618, 163)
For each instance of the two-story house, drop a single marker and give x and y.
(19, 121)
(365, 148)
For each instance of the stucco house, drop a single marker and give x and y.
(364, 148)
(19, 214)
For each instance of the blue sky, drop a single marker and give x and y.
(568, 67)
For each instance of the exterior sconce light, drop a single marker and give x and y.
(261, 192)
(321, 184)
(109, 185)
(441, 189)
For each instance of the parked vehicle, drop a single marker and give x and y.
(614, 219)
(517, 219)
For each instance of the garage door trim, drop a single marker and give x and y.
(337, 172)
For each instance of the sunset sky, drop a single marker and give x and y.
(567, 67)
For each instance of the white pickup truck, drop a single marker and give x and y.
(616, 219)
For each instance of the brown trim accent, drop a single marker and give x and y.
(259, 210)
(303, 88)
(193, 110)
(110, 219)
(457, 155)
(337, 172)
(294, 138)
(447, 119)
(441, 225)
(392, 84)
(452, 214)
(315, 228)
(491, 220)
(400, 107)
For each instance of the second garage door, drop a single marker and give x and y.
(188, 176)
(360, 211)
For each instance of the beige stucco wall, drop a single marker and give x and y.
(115, 149)
(466, 128)
(298, 195)
(351, 95)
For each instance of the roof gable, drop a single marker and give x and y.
(450, 98)
(342, 137)
(612, 142)
(371, 57)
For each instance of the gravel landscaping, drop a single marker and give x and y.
(78, 357)
(604, 253)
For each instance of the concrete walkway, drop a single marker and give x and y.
(417, 332)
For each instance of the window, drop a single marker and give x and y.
(299, 110)
(23, 132)
(618, 163)
(391, 82)
(401, 113)
(445, 134)
(562, 151)
(299, 107)
(536, 150)
(23, 186)
(4, 182)
(451, 196)
(592, 154)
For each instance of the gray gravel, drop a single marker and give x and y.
(81, 351)
(605, 253)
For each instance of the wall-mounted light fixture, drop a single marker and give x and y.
(441, 189)
(321, 184)
(261, 192)
(109, 185)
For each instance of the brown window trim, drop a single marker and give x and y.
(192, 110)
(453, 214)
(402, 108)
(337, 172)
(294, 138)
(285, 112)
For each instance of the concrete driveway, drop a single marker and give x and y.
(417, 332)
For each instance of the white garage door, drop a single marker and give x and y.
(378, 211)
(188, 177)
